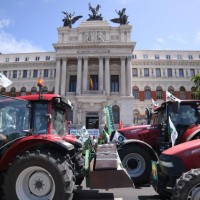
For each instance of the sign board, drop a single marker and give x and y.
(92, 132)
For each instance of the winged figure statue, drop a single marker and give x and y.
(69, 20)
(122, 19)
(94, 15)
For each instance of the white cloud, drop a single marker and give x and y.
(9, 44)
(160, 40)
(177, 38)
(4, 23)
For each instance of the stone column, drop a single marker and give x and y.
(79, 76)
(57, 82)
(129, 77)
(63, 76)
(100, 73)
(107, 76)
(123, 80)
(85, 74)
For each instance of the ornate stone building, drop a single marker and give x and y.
(95, 65)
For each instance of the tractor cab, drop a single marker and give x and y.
(14, 118)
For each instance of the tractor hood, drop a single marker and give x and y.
(133, 128)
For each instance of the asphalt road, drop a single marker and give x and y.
(136, 193)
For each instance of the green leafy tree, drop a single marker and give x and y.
(196, 81)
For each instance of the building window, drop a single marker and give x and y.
(45, 90)
(17, 59)
(13, 92)
(134, 72)
(15, 74)
(159, 93)
(116, 114)
(158, 72)
(37, 58)
(157, 56)
(46, 73)
(93, 82)
(179, 57)
(114, 83)
(23, 91)
(146, 72)
(134, 56)
(169, 72)
(192, 72)
(7, 59)
(5, 73)
(47, 57)
(182, 93)
(70, 114)
(35, 73)
(25, 73)
(171, 89)
(147, 92)
(72, 83)
(145, 56)
(181, 73)
(168, 57)
(33, 90)
(3, 91)
(136, 92)
(27, 59)
(190, 57)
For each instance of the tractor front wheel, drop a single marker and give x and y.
(187, 186)
(38, 176)
(137, 162)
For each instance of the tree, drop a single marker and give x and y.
(196, 81)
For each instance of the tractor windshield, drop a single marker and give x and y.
(58, 121)
(186, 115)
(14, 119)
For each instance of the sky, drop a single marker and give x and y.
(31, 25)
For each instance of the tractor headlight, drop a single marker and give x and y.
(166, 164)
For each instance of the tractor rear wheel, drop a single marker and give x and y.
(38, 176)
(137, 162)
(187, 186)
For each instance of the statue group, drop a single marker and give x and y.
(69, 20)
(94, 15)
(123, 18)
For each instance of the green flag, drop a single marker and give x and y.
(109, 119)
(172, 132)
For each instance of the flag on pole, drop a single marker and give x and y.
(154, 104)
(118, 137)
(91, 83)
(170, 97)
(4, 81)
(172, 132)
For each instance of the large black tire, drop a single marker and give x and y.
(80, 168)
(187, 186)
(137, 162)
(38, 176)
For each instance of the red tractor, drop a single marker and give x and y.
(39, 160)
(138, 145)
(177, 173)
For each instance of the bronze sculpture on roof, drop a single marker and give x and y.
(69, 20)
(123, 18)
(94, 15)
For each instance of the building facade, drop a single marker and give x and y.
(95, 65)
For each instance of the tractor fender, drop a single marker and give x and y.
(192, 135)
(151, 151)
(21, 145)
